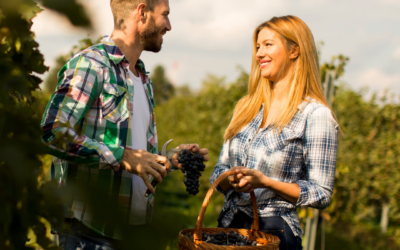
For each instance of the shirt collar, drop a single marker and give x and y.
(116, 55)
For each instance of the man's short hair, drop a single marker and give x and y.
(121, 9)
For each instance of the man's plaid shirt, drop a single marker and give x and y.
(95, 96)
(304, 153)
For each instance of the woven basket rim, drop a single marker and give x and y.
(238, 230)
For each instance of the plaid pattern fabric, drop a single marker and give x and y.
(95, 97)
(304, 153)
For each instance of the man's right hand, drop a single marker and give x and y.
(143, 163)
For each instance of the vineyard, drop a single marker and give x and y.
(364, 212)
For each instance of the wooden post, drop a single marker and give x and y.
(307, 233)
(323, 226)
(313, 235)
(385, 217)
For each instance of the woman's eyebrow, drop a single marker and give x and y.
(258, 43)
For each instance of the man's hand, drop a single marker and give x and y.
(143, 163)
(195, 148)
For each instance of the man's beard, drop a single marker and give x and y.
(149, 37)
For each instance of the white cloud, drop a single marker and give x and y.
(392, 2)
(396, 53)
(376, 79)
(218, 25)
(50, 23)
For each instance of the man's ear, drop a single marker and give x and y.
(142, 12)
(294, 52)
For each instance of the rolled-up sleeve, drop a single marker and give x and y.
(320, 150)
(222, 165)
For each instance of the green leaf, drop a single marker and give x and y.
(71, 9)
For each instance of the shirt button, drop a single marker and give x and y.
(60, 105)
(132, 94)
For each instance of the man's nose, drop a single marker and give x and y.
(169, 27)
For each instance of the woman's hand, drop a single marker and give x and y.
(238, 182)
(226, 184)
(255, 178)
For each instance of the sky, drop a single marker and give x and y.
(215, 36)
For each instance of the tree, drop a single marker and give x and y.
(24, 203)
(163, 89)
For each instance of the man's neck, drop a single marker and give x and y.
(128, 43)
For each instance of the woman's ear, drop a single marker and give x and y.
(294, 52)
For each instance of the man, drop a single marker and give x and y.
(100, 125)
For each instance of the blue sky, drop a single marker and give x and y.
(214, 36)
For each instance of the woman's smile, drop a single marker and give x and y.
(265, 63)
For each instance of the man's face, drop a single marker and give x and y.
(158, 24)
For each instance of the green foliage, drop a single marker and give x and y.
(163, 89)
(367, 163)
(24, 202)
(73, 10)
(337, 64)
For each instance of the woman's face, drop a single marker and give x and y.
(271, 54)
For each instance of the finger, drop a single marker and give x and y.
(203, 151)
(243, 182)
(148, 183)
(239, 175)
(206, 158)
(155, 173)
(235, 178)
(168, 166)
(160, 159)
(246, 171)
(235, 185)
(194, 147)
(244, 189)
(239, 185)
(163, 160)
(162, 170)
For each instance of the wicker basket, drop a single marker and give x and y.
(264, 241)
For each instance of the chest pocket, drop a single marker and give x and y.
(276, 141)
(115, 104)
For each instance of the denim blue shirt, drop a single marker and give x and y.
(303, 153)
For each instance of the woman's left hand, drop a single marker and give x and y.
(255, 178)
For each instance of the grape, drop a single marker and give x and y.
(230, 239)
(192, 164)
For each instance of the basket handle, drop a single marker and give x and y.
(197, 234)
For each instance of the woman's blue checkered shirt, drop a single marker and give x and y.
(304, 153)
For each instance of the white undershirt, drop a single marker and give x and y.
(140, 120)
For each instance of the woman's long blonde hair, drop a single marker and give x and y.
(305, 79)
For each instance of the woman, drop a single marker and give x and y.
(282, 139)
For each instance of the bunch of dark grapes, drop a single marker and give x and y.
(227, 239)
(192, 164)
